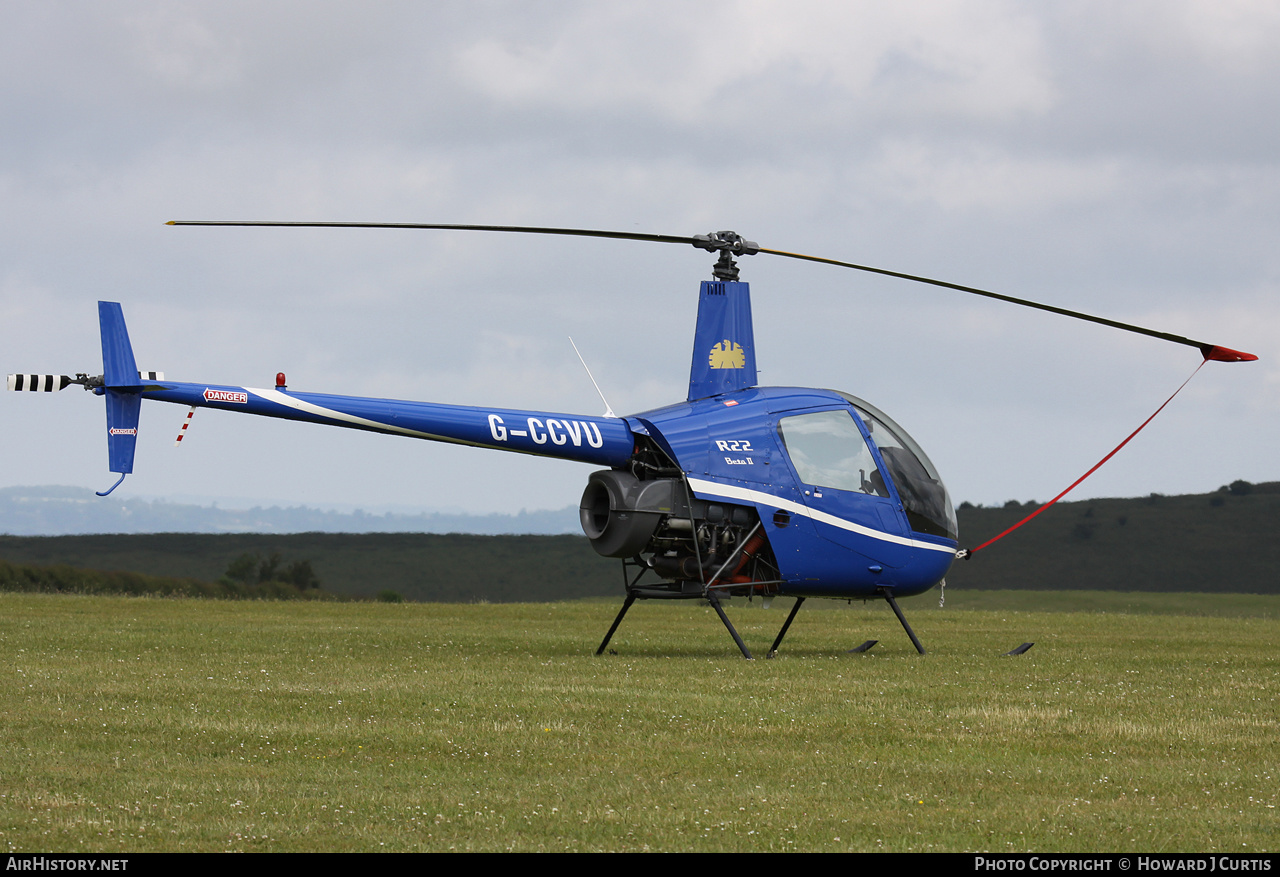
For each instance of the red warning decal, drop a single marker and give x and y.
(225, 396)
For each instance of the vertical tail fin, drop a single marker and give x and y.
(724, 346)
(118, 366)
(121, 386)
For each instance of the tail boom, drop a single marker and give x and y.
(586, 439)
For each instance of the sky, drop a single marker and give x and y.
(1118, 159)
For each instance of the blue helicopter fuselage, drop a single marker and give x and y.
(808, 463)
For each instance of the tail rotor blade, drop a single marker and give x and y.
(39, 383)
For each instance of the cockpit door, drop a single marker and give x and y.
(840, 478)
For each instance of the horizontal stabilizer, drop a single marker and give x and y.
(39, 383)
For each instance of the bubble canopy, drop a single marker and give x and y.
(832, 449)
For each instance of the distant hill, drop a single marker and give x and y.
(57, 511)
(418, 566)
(1219, 542)
(1222, 541)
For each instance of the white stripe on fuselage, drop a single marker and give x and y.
(755, 496)
(299, 405)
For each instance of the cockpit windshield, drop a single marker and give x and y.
(923, 495)
(828, 450)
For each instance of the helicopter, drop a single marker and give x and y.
(739, 490)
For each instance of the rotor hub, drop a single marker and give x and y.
(728, 244)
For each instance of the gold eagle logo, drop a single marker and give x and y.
(726, 354)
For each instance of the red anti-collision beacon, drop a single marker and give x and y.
(280, 380)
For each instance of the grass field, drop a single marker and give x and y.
(146, 724)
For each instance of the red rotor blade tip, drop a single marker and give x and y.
(1226, 354)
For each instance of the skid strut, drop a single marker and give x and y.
(887, 593)
(715, 604)
(773, 649)
(631, 598)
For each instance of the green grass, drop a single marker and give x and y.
(146, 724)
(1128, 602)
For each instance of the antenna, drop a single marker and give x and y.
(608, 411)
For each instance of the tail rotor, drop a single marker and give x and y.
(121, 383)
(40, 383)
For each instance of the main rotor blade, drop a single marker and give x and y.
(1209, 351)
(714, 242)
(521, 229)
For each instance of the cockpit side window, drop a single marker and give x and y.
(828, 450)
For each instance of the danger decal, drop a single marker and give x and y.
(211, 395)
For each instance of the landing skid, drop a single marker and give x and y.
(866, 646)
(634, 593)
(681, 591)
(711, 598)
